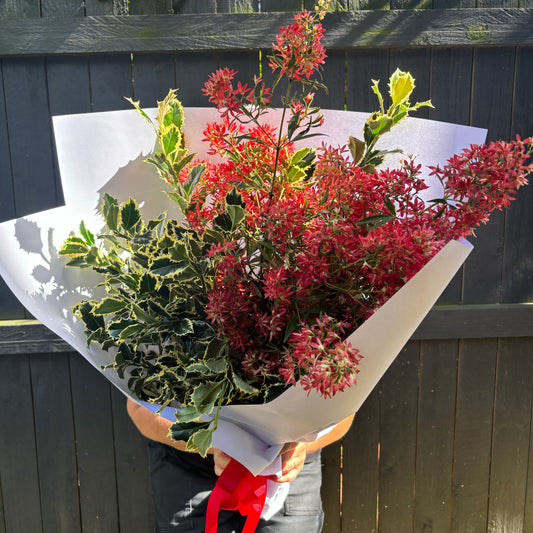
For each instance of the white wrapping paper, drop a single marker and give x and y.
(104, 152)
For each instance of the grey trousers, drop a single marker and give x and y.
(182, 483)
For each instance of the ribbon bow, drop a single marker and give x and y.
(237, 489)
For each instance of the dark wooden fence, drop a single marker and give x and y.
(443, 443)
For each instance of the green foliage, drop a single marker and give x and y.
(157, 277)
(401, 85)
(174, 159)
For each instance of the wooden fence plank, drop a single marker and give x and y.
(61, 8)
(528, 505)
(518, 252)
(20, 8)
(149, 7)
(193, 6)
(7, 200)
(451, 78)
(511, 436)
(135, 504)
(111, 81)
(54, 434)
(360, 469)
(153, 76)
(93, 422)
(35, 187)
(170, 33)
(473, 434)
(398, 420)
(491, 108)
(18, 458)
(363, 66)
(99, 7)
(9, 305)
(271, 6)
(68, 85)
(334, 77)
(192, 71)
(434, 451)
(237, 6)
(2, 514)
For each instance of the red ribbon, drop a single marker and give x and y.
(237, 490)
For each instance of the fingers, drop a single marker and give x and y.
(292, 461)
(221, 460)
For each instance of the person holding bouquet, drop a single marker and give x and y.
(182, 481)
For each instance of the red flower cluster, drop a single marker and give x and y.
(298, 51)
(221, 92)
(318, 256)
(313, 242)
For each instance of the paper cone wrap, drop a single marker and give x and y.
(104, 152)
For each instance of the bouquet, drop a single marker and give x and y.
(276, 251)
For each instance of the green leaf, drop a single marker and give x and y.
(109, 305)
(202, 440)
(205, 395)
(148, 284)
(236, 214)
(377, 92)
(390, 205)
(187, 413)
(223, 222)
(376, 220)
(194, 177)
(130, 331)
(140, 314)
(234, 198)
(139, 110)
(164, 266)
(87, 235)
(217, 366)
(357, 149)
(183, 431)
(73, 248)
(401, 85)
(110, 211)
(129, 214)
(243, 386)
(85, 312)
(183, 327)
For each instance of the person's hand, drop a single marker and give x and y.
(293, 455)
(221, 460)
